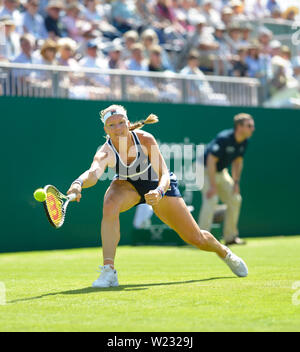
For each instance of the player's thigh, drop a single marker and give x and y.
(120, 196)
(174, 212)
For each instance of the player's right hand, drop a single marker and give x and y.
(75, 188)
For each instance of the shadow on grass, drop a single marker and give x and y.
(138, 287)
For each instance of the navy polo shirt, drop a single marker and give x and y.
(225, 148)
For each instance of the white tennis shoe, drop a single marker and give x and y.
(236, 264)
(108, 277)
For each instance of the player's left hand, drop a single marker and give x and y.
(152, 197)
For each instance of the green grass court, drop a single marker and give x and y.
(162, 289)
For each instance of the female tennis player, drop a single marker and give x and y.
(141, 177)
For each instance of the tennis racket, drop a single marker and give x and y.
(56, 205)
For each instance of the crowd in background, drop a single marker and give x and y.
(194, 37)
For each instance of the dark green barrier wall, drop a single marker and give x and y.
(53, 141)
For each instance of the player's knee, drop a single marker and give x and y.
(110, 208)
(200, 241)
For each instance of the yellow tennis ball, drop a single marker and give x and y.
(39, 195)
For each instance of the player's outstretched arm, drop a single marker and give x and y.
(159, 165)
(90, 177)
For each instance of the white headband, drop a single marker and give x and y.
(113, 112)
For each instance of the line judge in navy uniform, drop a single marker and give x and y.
(228, 148)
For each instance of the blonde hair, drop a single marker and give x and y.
(239, 119)
(48, 44)
(139, 124)
(150, 33)
(133, 126)
(132, 34)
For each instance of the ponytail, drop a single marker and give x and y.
(139, 124)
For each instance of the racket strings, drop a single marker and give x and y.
(54, 205)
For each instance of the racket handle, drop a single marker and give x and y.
(72, 196)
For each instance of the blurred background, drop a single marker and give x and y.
(221, 52)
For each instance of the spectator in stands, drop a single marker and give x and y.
(137, 60)
(201, 29)
(115, 60)
(169, 23)
(264, 39)
(155, 59)
(72, 22)
(240, 67)
(285, 53)
(95, 14)
(288, 94)
(190, 8)
(96, 85)
(123, 15)
(139, 87)
(275, 57)
(9, 9)
(234, 37)
(48, 53)
(208, 49)
(65, 57)
(197, 91)
(164, 12)
(88, 34)
(257, 10)
(211, 15)
(256, 67)
(167, 90)
(238, 8)
(246, 30)
(145, 13)
(219, 31)
(53, 23)
(271, 5)
(27, 43)
(226, 15)
(130, 38)
(150, 38)
(282, 78)
(219, 37)
(223, 54)
(275, 46)
(11, 47)
(92, 11)
(47, 56)
(91, 58)
(290, 13)
(276, 13)
(181, 8)
(32, 22)
(66, 51)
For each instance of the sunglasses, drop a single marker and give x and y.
(249, 125)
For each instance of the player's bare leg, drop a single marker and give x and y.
(174, 212)
(119, 197)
